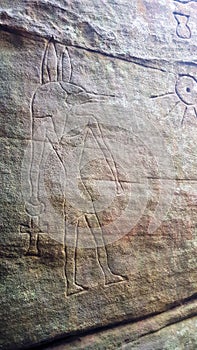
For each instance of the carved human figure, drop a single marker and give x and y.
(52, 103)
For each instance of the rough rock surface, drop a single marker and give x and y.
(98, 170)
(165, 331)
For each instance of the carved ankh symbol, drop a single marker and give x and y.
(33, 230)
(183, 30)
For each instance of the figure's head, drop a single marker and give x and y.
(52, 96)
(56, 72)
(49, 100)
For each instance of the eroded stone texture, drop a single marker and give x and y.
(98, 164)
(169, 330)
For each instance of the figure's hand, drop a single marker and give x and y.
(34, 207)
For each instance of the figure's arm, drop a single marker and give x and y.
(37, 149)
(43, 135)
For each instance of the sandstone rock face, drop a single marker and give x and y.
(165, 331)
(98, 168)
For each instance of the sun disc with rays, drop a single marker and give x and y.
(186, 91)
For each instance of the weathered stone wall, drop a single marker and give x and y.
(98, 166)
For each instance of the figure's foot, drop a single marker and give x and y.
(74, 289)
(112, 278)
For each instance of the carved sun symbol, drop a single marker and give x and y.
(186, 92)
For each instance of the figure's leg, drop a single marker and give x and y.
(70, 262)
(110, 277)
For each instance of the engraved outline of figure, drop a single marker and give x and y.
(46, 135)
